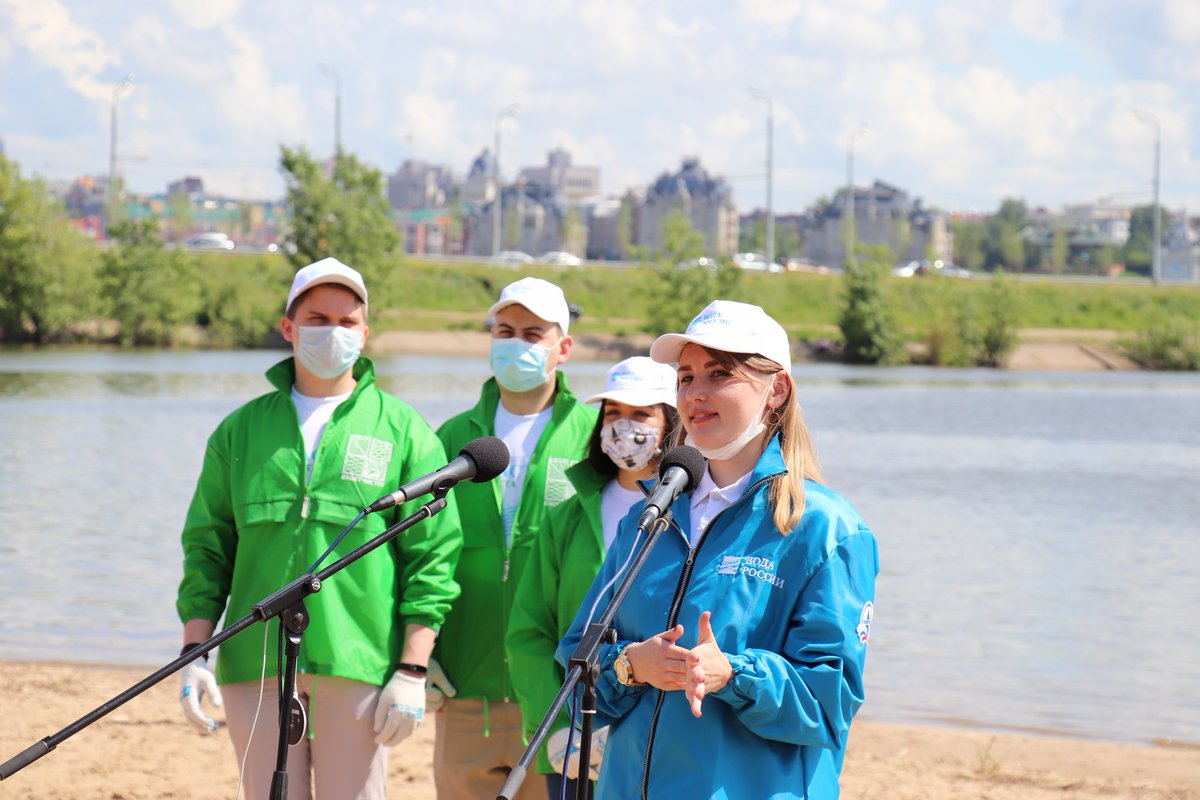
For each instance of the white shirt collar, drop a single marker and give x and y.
(727, 494)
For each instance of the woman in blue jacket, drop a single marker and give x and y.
(738, 665)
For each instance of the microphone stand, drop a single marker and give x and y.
(288, 604)
(584, 665)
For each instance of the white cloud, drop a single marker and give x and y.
(1181, 21)
(772, 12)
(1037, 20)
(206, 14)
(46, 30)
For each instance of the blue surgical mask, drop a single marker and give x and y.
(327, 351)
(519, 365)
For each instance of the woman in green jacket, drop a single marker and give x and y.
(637, 414)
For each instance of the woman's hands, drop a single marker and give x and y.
(662, 663)
(708, 668)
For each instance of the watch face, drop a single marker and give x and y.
(621, 667)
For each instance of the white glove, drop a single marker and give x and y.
(399, 709)
(437, 687)
(556, 746)
(196, 681)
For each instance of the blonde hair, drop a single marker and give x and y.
(795, 442)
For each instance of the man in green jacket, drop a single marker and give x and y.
(526, 404)
(282, 477)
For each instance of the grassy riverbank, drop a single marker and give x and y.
(235, 299)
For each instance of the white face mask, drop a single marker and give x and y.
(733, 447)
(327, 351)
(631, 445)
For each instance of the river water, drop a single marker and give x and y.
(1038, 531)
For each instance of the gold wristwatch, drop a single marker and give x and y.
(624, 669)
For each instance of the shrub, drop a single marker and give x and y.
(1172, 343)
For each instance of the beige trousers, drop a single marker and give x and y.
(338, 758)
(468, 765)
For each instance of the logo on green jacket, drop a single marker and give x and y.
(367, 459)
(558, 486)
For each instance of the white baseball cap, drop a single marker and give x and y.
(638, 381)
(732, 328)
(541, 297)
(327, 270)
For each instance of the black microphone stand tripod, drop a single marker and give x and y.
(584, 666)
(287, 604)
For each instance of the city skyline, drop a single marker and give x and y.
(967, 105)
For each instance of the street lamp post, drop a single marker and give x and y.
(1156, 245)
(849, 205)
(112, 196)
(759, 94)
(498, 199)
(337, 109)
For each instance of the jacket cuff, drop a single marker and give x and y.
(729, 692)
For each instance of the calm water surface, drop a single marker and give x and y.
(1038, 532)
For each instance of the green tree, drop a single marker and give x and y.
(179, 214)
(999, 323)
(968, 243)
(344, 215)
(788, 240)
(151, 290)
(47, 268)
(1059, 250)
(574, 231)
(1136, 252)
(680, 291)
(869, 330)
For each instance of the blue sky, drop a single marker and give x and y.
(968, 102)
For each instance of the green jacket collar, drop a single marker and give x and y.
(483, 416)
(584, 477)
(283, 375)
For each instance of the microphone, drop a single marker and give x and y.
(680, 470)
(479, 461)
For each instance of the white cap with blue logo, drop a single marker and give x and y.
(732, 328)
(638, 381)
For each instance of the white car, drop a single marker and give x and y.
(756, 262)
(213, 240)
(560, 258)
(512, 257)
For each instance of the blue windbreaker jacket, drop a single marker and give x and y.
(792, 613)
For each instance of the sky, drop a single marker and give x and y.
(966, 102)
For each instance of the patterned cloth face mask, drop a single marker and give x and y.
(327, 351)
(630, 445)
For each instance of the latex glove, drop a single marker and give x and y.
(399, 709)
(437, 687)
(197, 681)
(556, 746)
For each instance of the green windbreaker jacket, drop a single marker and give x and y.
(470, 647)
(561, 568)
(254, 525)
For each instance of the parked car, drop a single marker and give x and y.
(927, 267)
(212, 240)
(704, 262)
(560, 258)
(756, 262)
(512, 258)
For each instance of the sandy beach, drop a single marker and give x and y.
(145, 750)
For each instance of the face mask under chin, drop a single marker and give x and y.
(739, 442)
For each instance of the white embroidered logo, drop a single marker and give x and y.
(367, 459)
(729, 565)
(760, 569)
(558, 486)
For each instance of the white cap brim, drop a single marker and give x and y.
(633, 397)
(667, 348)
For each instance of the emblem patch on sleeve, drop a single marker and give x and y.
(864, 622)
